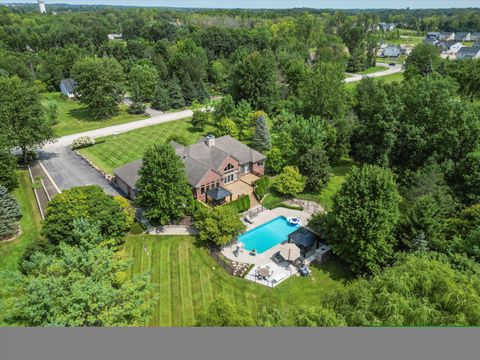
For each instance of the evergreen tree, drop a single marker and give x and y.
(163, 194)
(261, 138)
(9, 213)
(314, 165)
(161, 99)
(8, 166)
(176, 97)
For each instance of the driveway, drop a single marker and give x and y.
(391, 70)
(69, 170)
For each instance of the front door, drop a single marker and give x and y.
(246, 168)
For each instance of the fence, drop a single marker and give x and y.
(308, 206)
(254, 212)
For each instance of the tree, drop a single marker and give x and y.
(317, 316)
(83, 202)
(423, 60)
(314, 165)
(276, 161)
(82, 285)
(24, 123)
(163, 192)
(175, 92)
(254, 79)
(200, 119)
(363, 217)
(142, 80)
(9, 214)
(289, 182)
(8, 167)
(467, 75)
(161, 99)
(224, 108)
(219, 225)
(261, 138)
(100, 85)
(324, 93)
(223, 313)
(227, 127)
(467, 180)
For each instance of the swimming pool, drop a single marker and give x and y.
(267, 235)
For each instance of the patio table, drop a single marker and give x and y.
(263, 272)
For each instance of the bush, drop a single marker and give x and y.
(82, 142)
(261, 187)
(181, 139)
(137, 108)
(9, 214)
(127, 208)
(289, 182)
(241, 204)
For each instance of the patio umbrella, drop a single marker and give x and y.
(290, 251)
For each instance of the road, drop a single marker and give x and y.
(391, 70)
(69, 170)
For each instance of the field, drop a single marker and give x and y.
(187, 279)
(114, 151)
(11, 252)
(74, 117)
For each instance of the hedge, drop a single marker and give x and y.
(241, 204)
(261, 187)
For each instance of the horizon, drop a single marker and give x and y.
(269, 4)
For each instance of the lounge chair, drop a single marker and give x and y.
(248, 220)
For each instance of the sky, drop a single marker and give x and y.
(273, 4)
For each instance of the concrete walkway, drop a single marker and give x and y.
(391, 70)
(69, 170)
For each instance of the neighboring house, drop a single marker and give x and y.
(210, 164)
(386, 26)
(475, 36)
(449, 47)
(67, 87)
(431, 41)
(115, 36)
(467, 52)
(462, 36)
(446, 36)
(432, 35)
(392, 51)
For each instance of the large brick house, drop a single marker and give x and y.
(210, 164)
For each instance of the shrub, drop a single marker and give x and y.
(241, 204)
(219, 225)
(127, 208)
(82, 142)
(261, 187)
(181, 139)
(137, 108)
(289, 182)
(9, 214)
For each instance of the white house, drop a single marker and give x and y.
(387, 26)
(450, 47)
(467, 52)
(67, 87)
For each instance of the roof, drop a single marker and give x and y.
(391, 51)
(469, 50)
(304, 237)
(430, 41)
(218, 193)
(448, 44)
(433, 33)
(69, 84)
(461, 35)
(447, 33)
(129, 173)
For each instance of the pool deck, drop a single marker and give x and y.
(265, 258)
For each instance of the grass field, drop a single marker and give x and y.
(112, 152)
(373, 70)
(187, 279)
(11, 252)
(74, 117)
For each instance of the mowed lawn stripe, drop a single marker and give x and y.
(175, 288)
(198, 281)
(165, 287)
(155, 278)
(186, 286)
(111, 152)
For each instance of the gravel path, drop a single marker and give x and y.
(391, 70)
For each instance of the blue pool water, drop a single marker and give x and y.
(267, 235)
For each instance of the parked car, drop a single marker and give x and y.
(392, 64)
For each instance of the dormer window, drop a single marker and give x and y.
(229, 167)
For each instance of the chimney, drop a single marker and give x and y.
(210, 140)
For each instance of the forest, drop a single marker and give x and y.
(405, 221)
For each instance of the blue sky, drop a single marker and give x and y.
(338, 4)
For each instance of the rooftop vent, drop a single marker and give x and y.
(210, 140)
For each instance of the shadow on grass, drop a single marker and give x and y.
(83, 114)
(336, 269)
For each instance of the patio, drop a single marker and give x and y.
(243, 186)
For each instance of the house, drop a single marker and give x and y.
(67, 87)
(115, 36)
(462, 36)
(431, 41)
(446, 36)
(467, 52)
(432, 35)
(392, 51)
(475, 36)
(386, 26)
(210, 164)
(449, 47)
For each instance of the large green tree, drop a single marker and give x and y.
(163, 192)
(424, 60)
(315, 166)
(100, 85)
(219, 225)
(23, 119)
(289, 182)
(261, 138)
(360, 226)
(142, 82)
(83, 202)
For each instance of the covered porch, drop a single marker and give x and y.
(218, 195)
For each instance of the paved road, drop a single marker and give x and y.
(68, 170)
(391, 70)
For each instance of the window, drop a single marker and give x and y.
(228, 168)
(202, 190)
(260, 163)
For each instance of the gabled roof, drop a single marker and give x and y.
(469, 50)
(69, 84)
(461, 35)
(129, 173)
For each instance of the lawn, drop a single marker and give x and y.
(373, 69)
(187, 279)
(74, 117)
(114, 151)
(11, 252)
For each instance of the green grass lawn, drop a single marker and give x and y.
(111, 152)
(373, 70)
(74, 117)
(187, 279)
(11, 252)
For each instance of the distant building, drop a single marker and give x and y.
(431, 41)
(115, 36)
(468, 52)
(41, 6)
(67, 87)
(386, 26)
(475, 36)
(449, 47)
(432, 35)
(462, 36)
(446, 36)
(392, 51)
